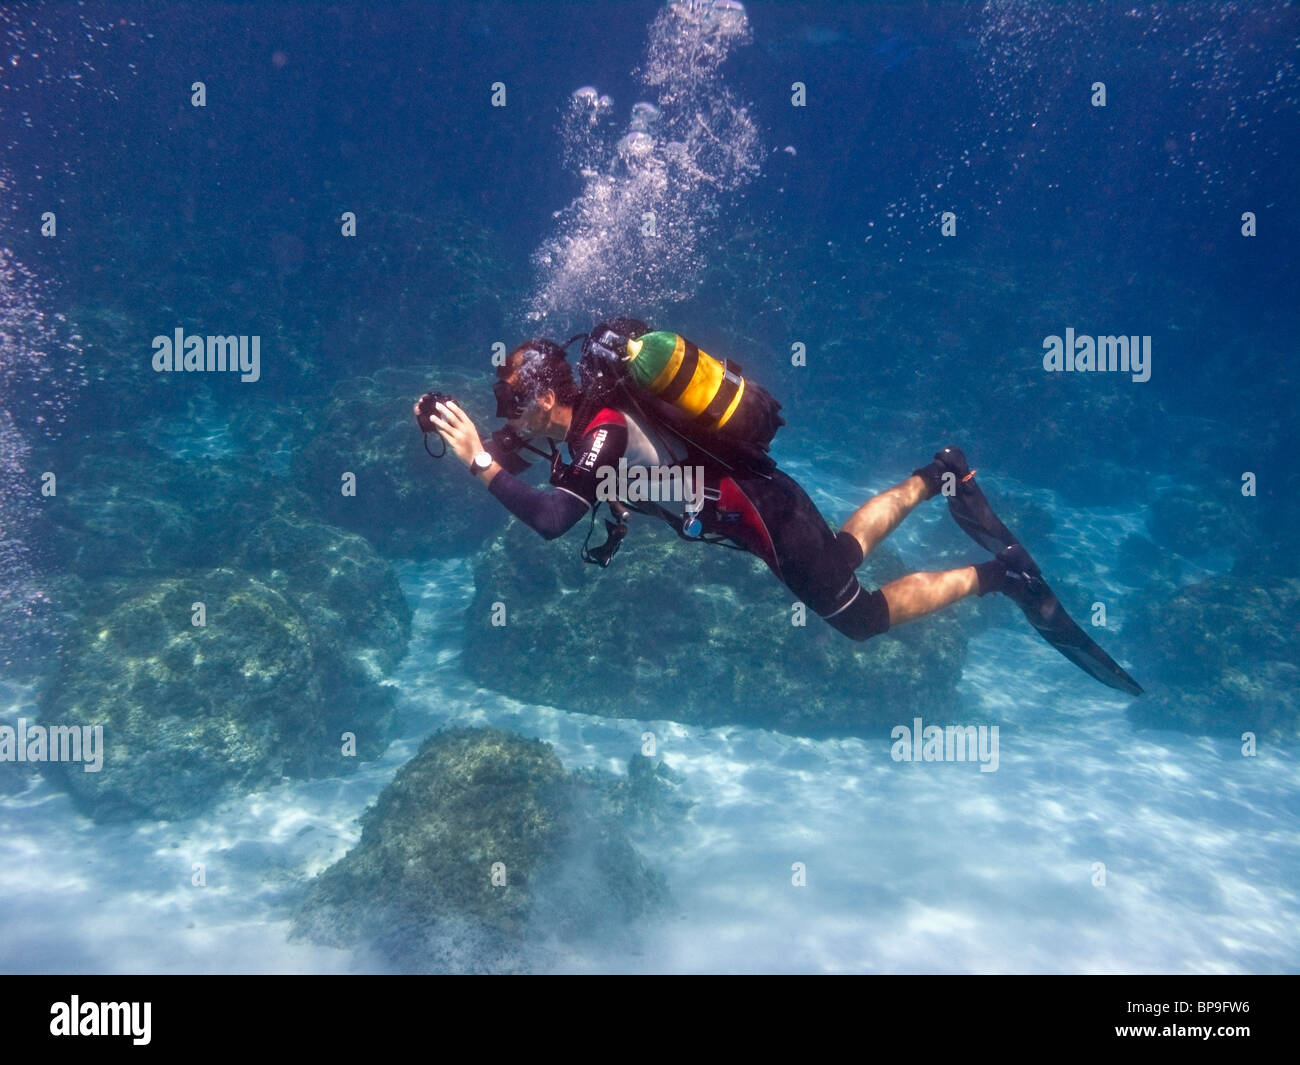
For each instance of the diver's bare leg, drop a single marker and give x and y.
(881, 514)
(918, 594)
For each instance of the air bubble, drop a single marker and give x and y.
(730, 13)
(636, 146)
(705, 145)
(644, 115)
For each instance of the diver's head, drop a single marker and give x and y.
(535, 389)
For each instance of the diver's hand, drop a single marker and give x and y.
(455, 427)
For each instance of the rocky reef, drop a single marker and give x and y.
(191, 714)
(123, 508)
(416, 289)
(1221, 656)
(692, 633)
(1196, 523)
(300, 623)
(406, 504)
(482, 854)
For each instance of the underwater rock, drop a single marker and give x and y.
(407, 504)
(693, 633)
(1197, 523)
(439, 280)
(124, 514)
(1221, 658)
(129, 523)
(343, 587)
(192, 713)
(419, 886)
(124, 509)
(645, 799)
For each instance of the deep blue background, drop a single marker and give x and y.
(1132, 211)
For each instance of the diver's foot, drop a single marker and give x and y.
(948, 460)
(1021, 574)
(1012, 572)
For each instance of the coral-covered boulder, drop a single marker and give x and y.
(193, 713)
(480, 853)
(1222, 659)
(693, 633)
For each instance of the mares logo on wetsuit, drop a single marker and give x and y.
(589, 459)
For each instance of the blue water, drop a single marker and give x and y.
(1116, 835)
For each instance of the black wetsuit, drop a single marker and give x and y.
(769, 516)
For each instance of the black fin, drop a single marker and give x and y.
(971, 510)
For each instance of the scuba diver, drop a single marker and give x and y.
(652, 401)
(763, 511)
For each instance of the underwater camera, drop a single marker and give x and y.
(503, 445)
(424, 408)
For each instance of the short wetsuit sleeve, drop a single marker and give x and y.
(603, 443)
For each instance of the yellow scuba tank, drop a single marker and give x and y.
(711, 392)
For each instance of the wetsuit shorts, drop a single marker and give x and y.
(774, 519)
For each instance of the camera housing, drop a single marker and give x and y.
(503, 445)
(426, 406)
